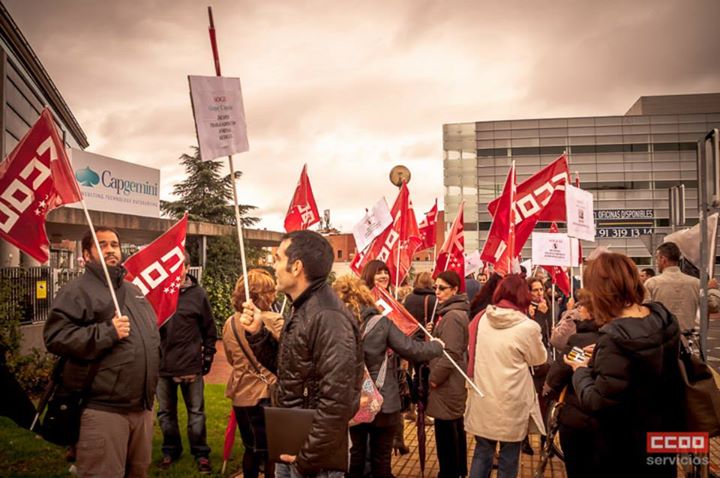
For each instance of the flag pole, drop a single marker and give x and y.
(397, 269)
(552, 315)
(238, 224)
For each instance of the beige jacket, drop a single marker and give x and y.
(244, 387)
(677, 291)
(508, 344)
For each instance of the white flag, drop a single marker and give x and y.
(688, 241)
(219, 116)
(473, 263)
(372, 224)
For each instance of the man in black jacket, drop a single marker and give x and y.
(116, 427)
(319, 364)
(188, 347)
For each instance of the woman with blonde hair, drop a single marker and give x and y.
(249, 381)
(379, 335)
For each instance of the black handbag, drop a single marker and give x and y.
(64, 407)
(701, 393)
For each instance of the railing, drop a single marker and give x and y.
(27, 293)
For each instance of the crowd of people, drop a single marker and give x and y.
(516, 341)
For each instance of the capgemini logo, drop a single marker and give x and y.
(87, 177)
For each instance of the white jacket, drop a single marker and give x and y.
(508, 344)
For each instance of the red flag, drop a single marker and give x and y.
(229, 435)
(539, 198)
(303, 211)
(452, 253)
(427, 228)
(395, 311)
(498, 249)
(35, 178)
(558, 274)
(157, 268)
(401, 237)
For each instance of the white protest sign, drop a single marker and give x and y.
(550, 249)
(372, 224)
(472, 263)
(219, 116)
(580, 220)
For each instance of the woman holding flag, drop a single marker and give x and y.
(446, 402)
(379, 335)
(248, 384)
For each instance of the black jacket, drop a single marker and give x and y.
(415, 304)
(386, 335)
(572, 415)
(633, 386)
(80, 329)
(319, 365)
(189, 335)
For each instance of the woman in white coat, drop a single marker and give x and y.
(508, 344)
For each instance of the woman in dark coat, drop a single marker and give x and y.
(446, 402)
(632, 383)
(421, 301)
(577, 427)
(382, 336)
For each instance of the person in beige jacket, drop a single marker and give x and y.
(248, 383)
(508, 344)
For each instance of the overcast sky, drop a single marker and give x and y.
(354, 88)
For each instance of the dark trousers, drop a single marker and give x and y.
(578, 452)
(251, 422)
(14, 402)
(380, 433)
(451, 446)
(193, 394)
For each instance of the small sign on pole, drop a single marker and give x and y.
(580, 220)
(219, 116)
(551, 249)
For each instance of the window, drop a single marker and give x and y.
(339, 254)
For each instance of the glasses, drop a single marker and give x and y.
(441, 287)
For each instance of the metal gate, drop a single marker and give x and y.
(27, 293)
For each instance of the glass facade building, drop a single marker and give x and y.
(628, 162)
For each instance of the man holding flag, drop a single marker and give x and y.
(115, 359)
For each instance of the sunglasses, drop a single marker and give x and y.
(441, 287)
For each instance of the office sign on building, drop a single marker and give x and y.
(624, 223)
(111, 185)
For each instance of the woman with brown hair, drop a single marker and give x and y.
(249, 381)
(632, 383)
(379, 335)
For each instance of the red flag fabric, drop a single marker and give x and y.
(541, 197)
(452, 253)
(499, 246)
(303, 211)
(558, 274)
(401, 237)
(229, 435)
(394, 310)
(35, 178)
(157, 269)
(427, 228)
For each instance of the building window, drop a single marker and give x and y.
(339, 254)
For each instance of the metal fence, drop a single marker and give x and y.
(26, 293)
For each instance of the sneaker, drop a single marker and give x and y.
(203, 465)
(165, 463)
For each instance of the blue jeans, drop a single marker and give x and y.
(283, 470)
(482, 460)
(167, 416)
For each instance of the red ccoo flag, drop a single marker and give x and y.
(35, 178)
(303, 211)
(395, 311)
(401, 237)
(501, 238)
(428, 228)
(558, 274)
(157, 270)
(541, 197)
(452, 253)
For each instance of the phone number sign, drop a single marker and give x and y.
(624, 223)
